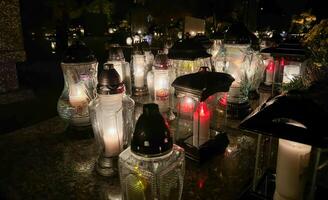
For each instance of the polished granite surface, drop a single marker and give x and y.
(50, 160)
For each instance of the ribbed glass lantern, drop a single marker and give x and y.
(112, 119)
(152, 167)
(79, 66)
(116, 58)
(291, 148)
(201, 112)
(139, 71)
(238, 59)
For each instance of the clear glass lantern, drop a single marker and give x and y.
(238, 59)
(159, 81)
(116, 57)
(139, 71)
(201, 112)
(112, 119)
(290, 150)
(79, 66)
(283, 64)
(152, 167)
(187, 55)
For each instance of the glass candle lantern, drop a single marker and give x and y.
(80, 74)
(283, 64)
(244, 65)
(139, 74)
(159, 81)
(201, 112)
(116, 57)
(291, 141)
(187, 55)
(112, 119)
(152, 167)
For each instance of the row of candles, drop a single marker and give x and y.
(112, 109)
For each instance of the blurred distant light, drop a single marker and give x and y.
(261, 8)
(192, 33)
(148, 39)
(180, 35)
(136, 39)
(139, 31)
(111, 30)
(82, 31)
(129, 41)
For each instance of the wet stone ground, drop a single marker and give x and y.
(50, 160)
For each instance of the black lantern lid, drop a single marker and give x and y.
(238, 33)
(151, 136)
(187, 49)
(217, 35)
(205, 41)
(144, 46)
(109, 81)
(78, 52)
(203, 83)
(296, 116)
(161, 61)
(115, 52)
(286, 49)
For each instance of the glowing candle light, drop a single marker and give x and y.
(269, 73)
(201, 125)
(77, 96)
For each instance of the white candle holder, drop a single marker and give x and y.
(139, 74)
(112, 120)
(80, 74)
(201, 112)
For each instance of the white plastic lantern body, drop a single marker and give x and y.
(162, 89)
(80, 82)
(123, 69)
(139, 71)
(195, 118)
(107, 121)
(149, 59)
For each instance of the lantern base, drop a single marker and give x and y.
(106, 166)
(238, 110)
(214, 146)
(140, 91)
(80, 121)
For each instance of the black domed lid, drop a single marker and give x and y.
(205, 41)
(144, 46)
(203, 83)
(109, 81)
(238, 33)
(284, 49)
(151, 136)
(296, 116)
(187, 49)
(115, 52)
(78, 52)
(161, 61)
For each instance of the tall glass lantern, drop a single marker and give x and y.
(292, 147)
(139, 71)
(187, 55)
(149, 56)
(246, 66)
(112, 119)
(159, 81)
(201, 112)
(79, 66)
(116, 57)
(152, 167)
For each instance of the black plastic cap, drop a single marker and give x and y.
(78, 52)
(203, 83)
(109, 81)
(296, 116)
(151, 136)
(187, 49)
(161, 61)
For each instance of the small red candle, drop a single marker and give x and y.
(201, 124)
(186, 106)
(269, 73)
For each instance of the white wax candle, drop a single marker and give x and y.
(293, 159)
(111, 116)
(139, 70)
(234, 91)
(201, 125)
(77, 96)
